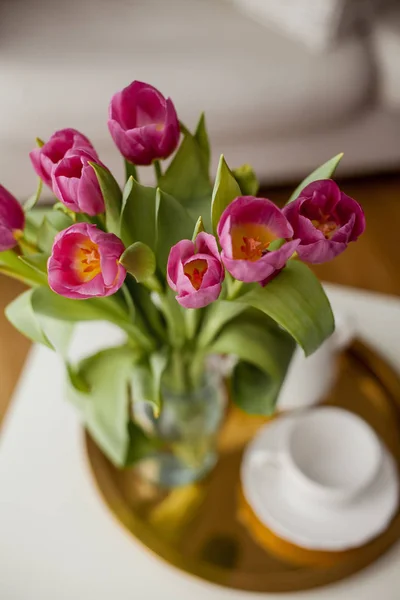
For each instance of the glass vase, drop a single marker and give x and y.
(186, 430)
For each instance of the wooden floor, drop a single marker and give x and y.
(13, 346)
(373, 263)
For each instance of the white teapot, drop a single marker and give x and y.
(308, 380)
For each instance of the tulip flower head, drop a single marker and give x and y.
(44, 159)
(85, 263)
(324, 220)
(195, 271)
(143, 124)
(12, 220)
(246, 230)
(75, 183)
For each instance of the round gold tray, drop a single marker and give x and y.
(207, 530)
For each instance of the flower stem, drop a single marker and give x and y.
(27, 247)
(130, 171)
(192, 317)
(100, 221)
(174, 318)
(196, 368)
(235, 289)
(157, 170)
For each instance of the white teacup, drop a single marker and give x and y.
(328, 456)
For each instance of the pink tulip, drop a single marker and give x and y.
(246, 229)
(75, 183)
(12, 220)
(45, 158)
(324, 221)
(84, 263)
(143, 124)
(195, 271)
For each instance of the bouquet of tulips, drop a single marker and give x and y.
(187, 268)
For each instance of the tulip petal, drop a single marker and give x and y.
(99, 272)
(75, 183)
(7, 240)
(325, 220)
(45, 158)
(196, 288)
(12, 219)
(44, 174)
(206, 243)
(248, 209)
(11, 213)
(264, 222)
(180, 252)
(201, 298)
(170, 133)
(350, 206)
(90, 198)
(249, 272)
(129, 144)
(320, 252)
(143, 124)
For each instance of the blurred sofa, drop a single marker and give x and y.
(269, 100)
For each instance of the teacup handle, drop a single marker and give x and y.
(261, 458)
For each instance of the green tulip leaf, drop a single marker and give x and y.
(146, 380)
(264, 355)
(139, 260)
(63, 209)
(50, 332)
(76, 383)
(22, 316)
(174, 223)
(201, 137)
(174, 318)
(187, 178)
(226, 189)
(198, 228)
(105, 409)
(58, 220)
(138, 214)
(33, 221)
(130, 170)
(140, 445)
(46, 235)
(53, 222)
(34, 199)
(38, 262)
(247, 180)
(296, 300)
(276, 244)
(218, 315)
(12, 265)
(112, 197)
(141, 298)
(46, 302)
(325, 171)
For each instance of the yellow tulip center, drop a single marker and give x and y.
(18, 234)
(325, 224)
(250, 241)
(87, 261)
(195, 271)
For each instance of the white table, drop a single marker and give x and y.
(58, 540)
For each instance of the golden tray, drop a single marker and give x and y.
(207, 529)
